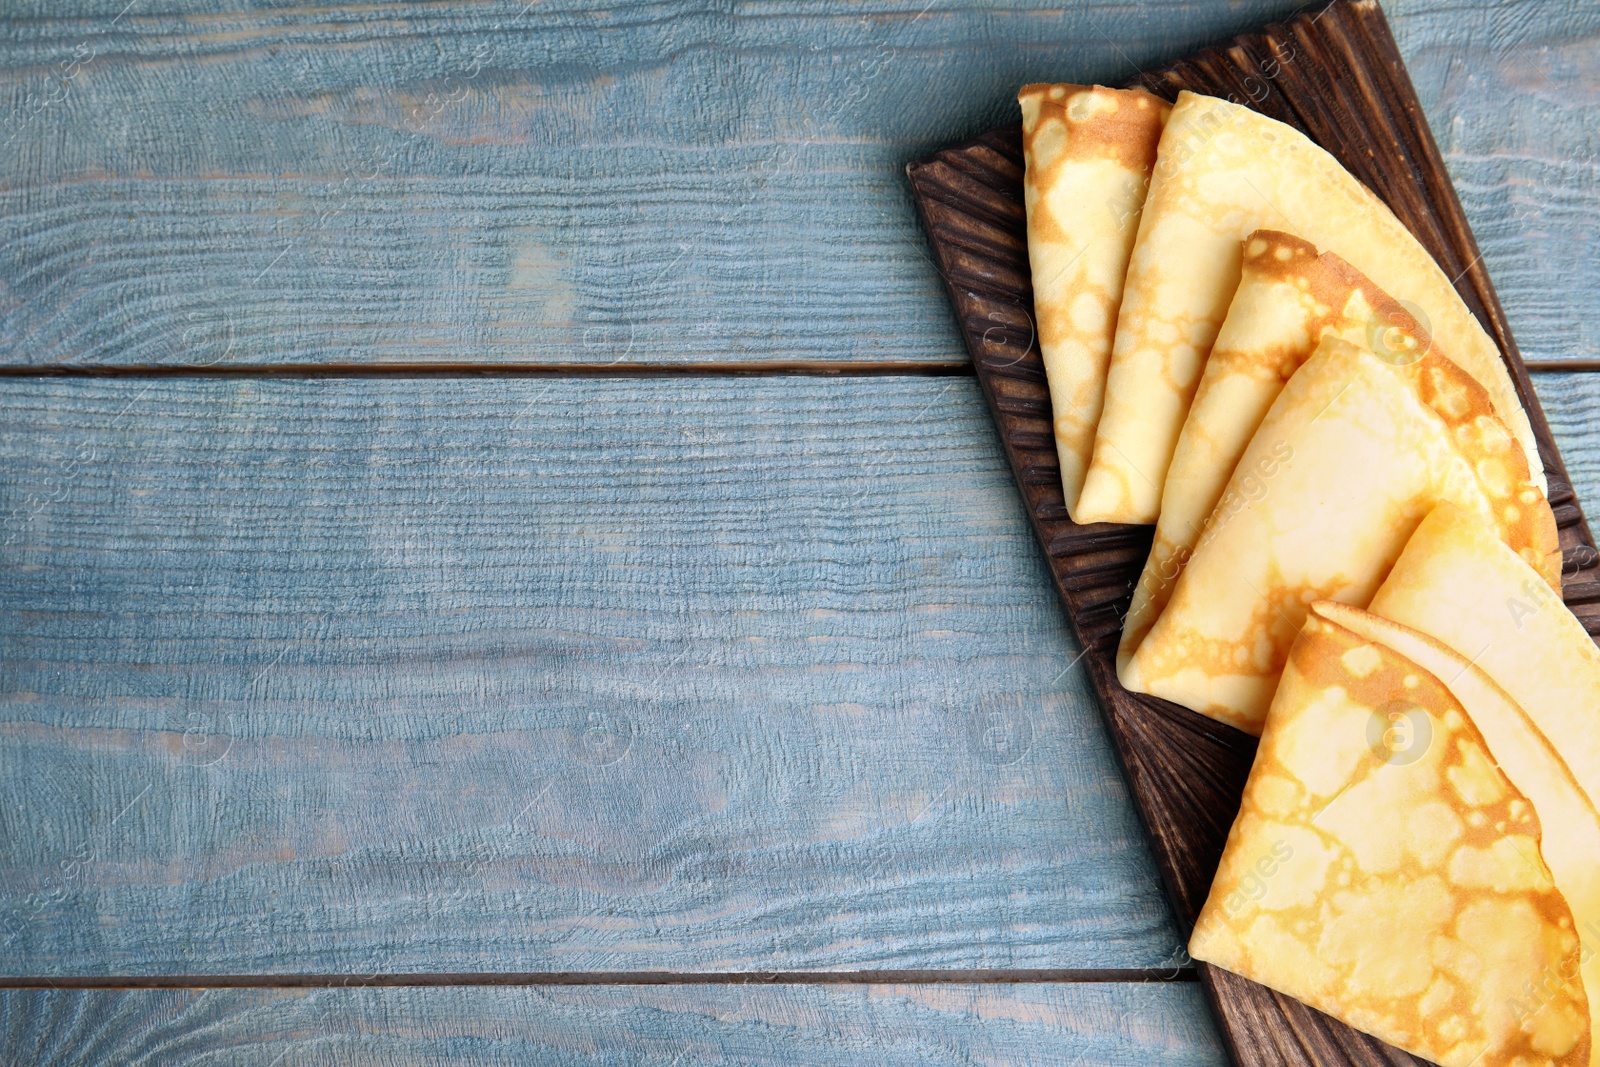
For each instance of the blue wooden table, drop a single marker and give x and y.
(518, 551)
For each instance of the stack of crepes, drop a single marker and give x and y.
(1354, 559)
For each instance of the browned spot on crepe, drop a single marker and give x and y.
(1289, 298)
(1088, 152)
(1395, 883)
(1113, 124)
(1459, 584)
(1224, 172)
(1361, 450)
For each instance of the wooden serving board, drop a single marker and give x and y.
(1335, 73)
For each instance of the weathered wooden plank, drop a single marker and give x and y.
(1572, 404)
(515, 675)
(498, 675)
(1108, 1024)
(1511, 93)
(650, 182)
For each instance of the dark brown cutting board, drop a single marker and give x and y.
(1336, 74)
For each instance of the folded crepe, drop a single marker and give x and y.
(1352, 455)
(1412, 857)
(1222, 172)
(1459, 584)
(1088, 153)
(1288, 299)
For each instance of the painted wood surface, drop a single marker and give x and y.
(1034, 1025)
(485, 676)
(362, 676)
(520, 675)
(1512, 92)
(677, 181)
(1572, 404)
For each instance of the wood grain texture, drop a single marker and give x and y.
(676, 181)
(1336, 74)
(1572, 405)
(325, 635)
(897, 1026)
(1512, 99)
(328, 623)
(424, 182)
(541, 675)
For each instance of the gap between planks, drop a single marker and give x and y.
(780, 368)
(940, 368)
(974, 976)
(776, 369)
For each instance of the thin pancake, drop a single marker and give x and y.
(1350, 458)
(1222, 172)
(1457, 583)
(1570, 843)
(1396, 863)
(1088, 152)
(1288, 299)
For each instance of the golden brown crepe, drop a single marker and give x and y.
(1288, 299)
(1411, 856)
(1088, 153)
(1352, 455)
(1222, 172)
(1457, 583)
